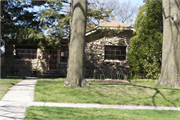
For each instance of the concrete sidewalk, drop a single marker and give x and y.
(20, 96)
(13, 105)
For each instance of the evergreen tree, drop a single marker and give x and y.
(14, 15)
(144, 56)
(18, 22)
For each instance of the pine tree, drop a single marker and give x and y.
(146, 46)
(17, 22)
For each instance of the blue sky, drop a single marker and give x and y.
(140, 2)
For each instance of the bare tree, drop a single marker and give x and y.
(170, 71)
(75, 75)
(124, 11)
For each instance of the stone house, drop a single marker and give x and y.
(107, 45)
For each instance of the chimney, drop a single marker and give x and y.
(101, 22)
(131, 24)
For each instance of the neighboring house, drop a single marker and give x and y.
(104, 44)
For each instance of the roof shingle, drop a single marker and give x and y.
(114, 23)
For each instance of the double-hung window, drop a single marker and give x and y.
(115, 52)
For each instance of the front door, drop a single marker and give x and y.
(53, 59)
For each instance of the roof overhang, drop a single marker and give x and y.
(111, 28)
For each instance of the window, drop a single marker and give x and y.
(64, 54)
(26, 53)
(115, 52)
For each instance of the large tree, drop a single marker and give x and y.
(170, 72)
(145, 53)
(20, 20)
(75, 75)
(14, 16)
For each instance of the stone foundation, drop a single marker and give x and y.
(62, 69)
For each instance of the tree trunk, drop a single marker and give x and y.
(170, 71)
(75, 75)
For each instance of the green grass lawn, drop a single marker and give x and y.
(144, 92)
(7, 82)
(59, 113)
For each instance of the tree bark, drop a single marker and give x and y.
(75, 75)
(170, 71)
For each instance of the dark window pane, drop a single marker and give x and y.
(22, 56)
(65, 54)
(107, 48)
(112, 48)
(118, 57)
(23, 51)
(112, 56)
(107, 56)
(65, 49)
(29, 56)
(112, 52)
(33, 51)
(62, 49)
(108, 52)
(123, 52)
(33, 56)
(18, 51)
(63, 59)
(28, 51)
(118, 52)
(123, 58)
(123, 48)
(118, 48)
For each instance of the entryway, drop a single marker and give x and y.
(53, 59)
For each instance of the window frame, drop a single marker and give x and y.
(26, 53)
(115, 49)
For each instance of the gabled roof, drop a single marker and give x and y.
(114, 23)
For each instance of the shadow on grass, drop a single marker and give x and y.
(157, 91)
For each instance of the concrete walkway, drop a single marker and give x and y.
(20, 96)
(13, 104)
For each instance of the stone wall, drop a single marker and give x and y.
(23, 67)
(95, 62)
(62, 69)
